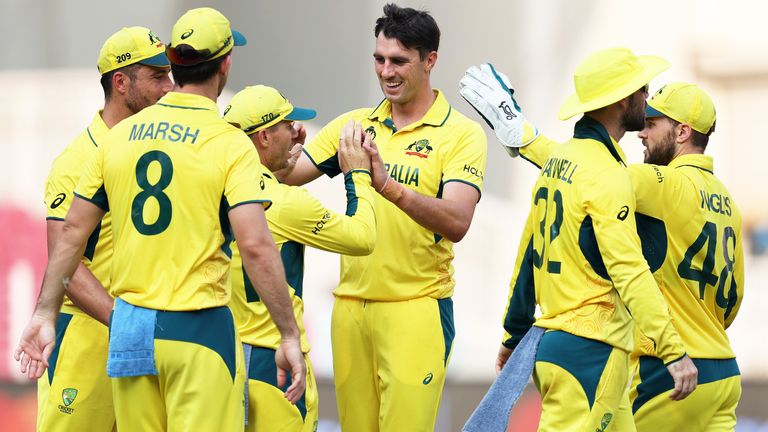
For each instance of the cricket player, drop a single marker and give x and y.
(392, 326)
(682, 208)
(178, 181)
(581, 251)
(295, 219)
(75, 393)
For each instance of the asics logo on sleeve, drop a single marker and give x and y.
(427, 379)
(623, 213)
(58, 200)
(507, 110)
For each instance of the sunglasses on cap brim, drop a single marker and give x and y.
(185, 55)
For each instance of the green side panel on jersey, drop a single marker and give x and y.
(292, 255)
(653, 239)
(522, 304)
(93, 240)
(590, 249)
(226, 228)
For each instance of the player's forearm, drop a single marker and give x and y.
(538, 151)
(87, 293)
(353, 233)
(264, 261)
(448, 218)
(62, 264)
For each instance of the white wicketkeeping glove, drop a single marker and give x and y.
(491, 95)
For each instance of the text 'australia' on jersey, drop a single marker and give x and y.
(409, 261)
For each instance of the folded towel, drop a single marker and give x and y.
(492, 415)
(131, 341)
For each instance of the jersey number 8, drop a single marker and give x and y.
(155, 191)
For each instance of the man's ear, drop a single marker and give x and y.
(120, 82)
(683, 133)
(430, 61)
(225, 65)
(262, 137)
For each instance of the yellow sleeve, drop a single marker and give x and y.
(521, 303)
(59, 187)
(323, 148)
(465, 161)
(304, 219)
(91, 184)
(655, 184)
(611, 205)
(538, 151)
(243, 183)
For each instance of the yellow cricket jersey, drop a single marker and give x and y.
(702, 270)
(169, 175)
(59, 187)
(297, 219)
(409, 261)
(584, 254)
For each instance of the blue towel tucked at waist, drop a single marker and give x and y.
(131, 341)
(493, 412)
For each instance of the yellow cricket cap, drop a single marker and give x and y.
(607, 76)
(258, 107)
(201, 35)
(685, 103)
(131, 45)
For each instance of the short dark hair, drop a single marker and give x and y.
(698, 139)
(201, 72)
(106, 79)
(413, 28)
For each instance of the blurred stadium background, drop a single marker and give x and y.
(318, 53)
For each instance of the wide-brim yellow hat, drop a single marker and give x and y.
(608, 76)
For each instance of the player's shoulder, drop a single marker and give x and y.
(455, 116)
(75, 154)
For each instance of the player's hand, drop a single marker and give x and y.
(299, 133)
(290, 358)
(491, 95)
(685, 374)
(379, 174)
(502, 358)
(351, 153)
(36, 344)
